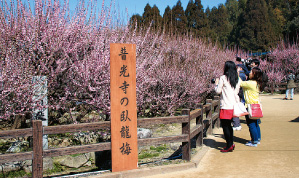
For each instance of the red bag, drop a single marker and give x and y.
(255, 111)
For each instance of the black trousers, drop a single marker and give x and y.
(228, 132)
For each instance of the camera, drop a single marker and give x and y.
(213, 80)
(246, 62)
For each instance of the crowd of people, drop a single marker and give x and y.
(240, 83)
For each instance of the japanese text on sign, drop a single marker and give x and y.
(123, 107)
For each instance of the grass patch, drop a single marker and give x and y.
(152, 152)
(75, 155)
(159, 148)
(13, 174)
(147, 155)
(56, 168)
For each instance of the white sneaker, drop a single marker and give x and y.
(258, 142)
(251, 144)
(234, 128)
(239, 128)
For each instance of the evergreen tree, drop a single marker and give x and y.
(250, 24)
(191, 16)
(255, 29)
(233, 11)
(179, 19)
(278, 14)
(211, 15)
(280, 5)
(242, 5)
(202, 20)
(292, 27)
(223, 25)
(281, 18)
(277, 21)
(211, 34)
(167, 20)
(151, 16)
(147, 15)
(197, 19)
(235, 33)
(292, 30)
(208, 12)
(135, 19)
(219, 22)
(156, 18)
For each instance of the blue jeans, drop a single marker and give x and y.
(254, 129)
(292, 92)
(258, 130)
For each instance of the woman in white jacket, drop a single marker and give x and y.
(228, 86)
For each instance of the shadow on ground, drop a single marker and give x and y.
(295, 120)
(219, 145)
(243, 121)
(240, 140)
(214, 144)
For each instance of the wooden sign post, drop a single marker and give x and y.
(124, 146)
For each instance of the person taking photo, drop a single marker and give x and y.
(228, 86)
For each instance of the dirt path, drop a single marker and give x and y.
(276, 156)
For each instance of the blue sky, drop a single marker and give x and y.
(137, 6)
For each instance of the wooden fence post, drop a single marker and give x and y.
(217, 98)
(199, 121)
(37, 163)
(209, 117)
(186, 146)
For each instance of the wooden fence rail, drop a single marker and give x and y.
(278, 86)
(206, 118)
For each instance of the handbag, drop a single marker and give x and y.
(255, 111)
(239, 110)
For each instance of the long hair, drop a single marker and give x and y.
(259, 77)
(230, 71)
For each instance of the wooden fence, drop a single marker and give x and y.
(206, 117)
(278, 86)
